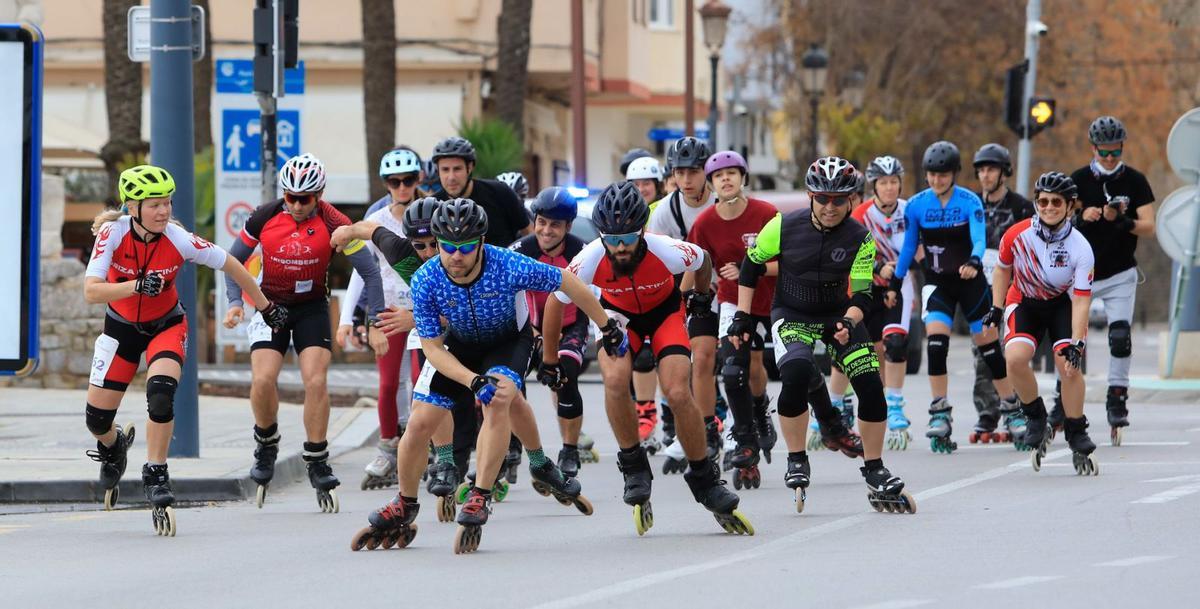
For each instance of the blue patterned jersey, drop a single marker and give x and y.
(488, 309)
(951, 233)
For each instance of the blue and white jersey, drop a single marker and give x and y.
(489, 309)
(952, 234)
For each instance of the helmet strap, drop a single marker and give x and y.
(138, 219)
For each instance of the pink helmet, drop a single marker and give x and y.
(724, 160)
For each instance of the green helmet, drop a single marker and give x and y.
(145, 182)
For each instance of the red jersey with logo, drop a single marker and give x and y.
(119, 256)
(295, 254)
(651, 284)
(726, 241)
(1044, 270)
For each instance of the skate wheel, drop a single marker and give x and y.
(974, 438)
(360, 539)
(1095, 465)
(541, 488)
(445, 509)
(737, 481)
(466, 540)
(460, 494)
(582, 504)
(735, 523)
(643, 518)
(409, 535)
(874, 502)
(110, 498)
(1036, 460)
(374, 540)
(390, 540)
(260, 495)
(801, 495)
(366, 483)
(164, 521)
(910, 503)
(500, 491)
(1116, 436)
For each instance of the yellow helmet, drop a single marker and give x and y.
(145, 182)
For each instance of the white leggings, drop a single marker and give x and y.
(1117, 294)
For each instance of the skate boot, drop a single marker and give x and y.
(897, 437)
(765, 427)
(381, 472)
(728, 448)
(320, 476)
(113, 460)
(156, 482)
(846, 407)
(391, 526)
(443, 478)
(709, 490)
(720, 407)
(1037, 435)
(745, 461)
(985, 429)
(797, 478)
(635, 467)
(814, 433)
(712, 439)
(1014, 423)
(1118, 413)
(1056, 412)
(647, 421)
(265, 452)
(676, 461)
(499, 488)
(568, 461)
(885, 492)
(1082, 447)
(939, 427)
(587, 449)
(549, 480)
(834, 435)
(471, 518)
(512, 461)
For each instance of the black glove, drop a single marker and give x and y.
(150, 284)
(614, 339)
(1073, 353)
(975, 263)
(895, 284)
(275, 316)
(699, 304)
(484, 388)
(551, 375)
(833, 327)
(741, 326)
(1124, 223)
(994, 317)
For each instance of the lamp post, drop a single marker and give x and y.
(854, 88)
(715, 17)
(814, 67)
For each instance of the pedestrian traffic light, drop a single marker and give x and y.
(1041, 114)
(291, 33)
(264, 43)
(1014, 98)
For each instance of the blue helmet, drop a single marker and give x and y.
(398, 161)
(555, 203)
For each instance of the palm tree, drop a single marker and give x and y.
(122, 95)
(379, 84)
(512, 62)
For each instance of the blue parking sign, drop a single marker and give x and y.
(241, 138)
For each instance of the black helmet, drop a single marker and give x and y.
(459, 220)
(940, 157)
(832, 175)
(994, 154)
(454, 147)
(885, 165)
(688, 152)
(418, 216)
(555, 203)
(1106, 130)
(1057, 183)
(620, 209)
(631, 156)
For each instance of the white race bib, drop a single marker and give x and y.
(258, 330)
(303, 287)
(106, 350)
(991, 258)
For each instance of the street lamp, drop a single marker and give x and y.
(714, 15)
(854, 88)
(815, 67)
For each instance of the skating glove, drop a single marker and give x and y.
(484, 388)
(699, 304)
(994, 317)
(150, 284)
(551, 375)
(895, 285)
(834, 327)
(276, 316)
(614, 339)
(1073, 353)
(1124, 223)
(741, 326)
(975, 263)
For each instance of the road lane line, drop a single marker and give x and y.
(1172, 494)
(1166, 443)
(897, 604)
(1129, 562)
(1018, 582)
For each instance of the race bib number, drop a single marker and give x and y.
(106, 350)
(727, 311)
(303, 287)
(424, 379)
(413, 341)
(991, 258)
(258, 330)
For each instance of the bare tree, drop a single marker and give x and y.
(202, 78)
(379, 84)
(122, 95)
(512, 62)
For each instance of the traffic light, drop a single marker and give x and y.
(1014, 98)
(291, 32)
(272, 19)
(1041, 114)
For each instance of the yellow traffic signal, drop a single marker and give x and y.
(1041, 114)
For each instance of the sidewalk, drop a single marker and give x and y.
(43, 439)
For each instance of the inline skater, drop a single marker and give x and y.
(725, 230)
(137, 256)
(1002, 209)
(293, 233)
(1116, 211)
(948, 221)
(475, 357)
(1041, 259)
(824, 288)
(635, 273)
(646, 174)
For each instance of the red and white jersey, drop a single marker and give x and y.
(119, 256)
(1044, 270)
(650, 285)
(888, 231)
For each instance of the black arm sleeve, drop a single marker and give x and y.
(750, 272)
(862, 300)
(393, 247)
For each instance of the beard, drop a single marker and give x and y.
(629, 266)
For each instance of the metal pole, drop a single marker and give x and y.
(171, 148)
(712, 104)
(689, 69)
(814, 140)
(1033, 14)
(267, 105)
(578, 95)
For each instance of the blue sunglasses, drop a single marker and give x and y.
(619, 240)
(465, 248)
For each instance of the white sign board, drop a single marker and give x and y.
(1176, 223)
(138, 38)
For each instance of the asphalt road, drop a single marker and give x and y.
(989, 532)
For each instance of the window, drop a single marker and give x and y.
(662, 13)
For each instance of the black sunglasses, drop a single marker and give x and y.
(398, 182)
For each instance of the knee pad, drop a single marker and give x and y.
(1120, 339)
(993, 356)
(644, 360)
(570, 403)
(160, 398)
(938, 349)
(99, 421)
(733, 372)
(895, 347)
(797, 376)
(872, 406)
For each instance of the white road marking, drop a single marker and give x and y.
(1184, 443)
(1187, 478)
(1129, 562)
(1017, 582)
(9, 528)
(897, 604)
(1170, 495)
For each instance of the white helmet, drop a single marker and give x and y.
(399, 160)
(304, 173)
(516, 182)
(645, 168)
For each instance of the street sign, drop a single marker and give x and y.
(1183, 147)
(237, 76)
(666, 134)
(138, 39)
(241, 138)
(1175, 223)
